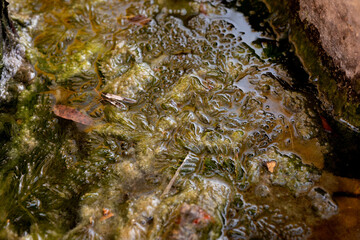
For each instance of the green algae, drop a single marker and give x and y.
(208, 101)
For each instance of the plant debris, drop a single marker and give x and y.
(106, 214)
(73, 114)
(325, 125)
(168, 187)
(271, 166)
(116, 98)
(139, 20)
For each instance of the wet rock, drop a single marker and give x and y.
(192, 222)
(181, 213)
(12, 58)
(194, 211)
(338, 24)
(325, 35)
(262, 190)
(290, 172)
(322, 202)
(252, 221)
(141, 215)
(132, 83)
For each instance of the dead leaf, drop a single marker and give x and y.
(73, 114)
(139, 20)
(271, 166)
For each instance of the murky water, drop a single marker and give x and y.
(157, 119)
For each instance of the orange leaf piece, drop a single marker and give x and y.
(325, 125)
(106, 214)
(139, 20)
(72, 114)
(271, 166)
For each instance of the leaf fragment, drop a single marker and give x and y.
(325, 125)
(139, 20)
(72, 114)
(106, 214)
(271, 166)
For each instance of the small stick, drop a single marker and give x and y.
(168, 187)
(118, 98)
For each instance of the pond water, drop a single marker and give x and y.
(158, 120)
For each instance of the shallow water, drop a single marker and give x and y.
(209, 119)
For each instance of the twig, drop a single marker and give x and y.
(171, 183)
(112, 97)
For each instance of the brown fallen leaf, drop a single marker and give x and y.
(139, 20)
(271, 166)
(72, 114)
(106, 214)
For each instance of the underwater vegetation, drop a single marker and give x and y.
(157, 120)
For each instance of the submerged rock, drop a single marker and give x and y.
(132, 83)
(322, 202)
(198, 207)
(338, 26)
(178, 216)
(191, 222)
(15, 71)
(326, 35)
(289, 172)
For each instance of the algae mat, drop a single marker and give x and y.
(157, 120)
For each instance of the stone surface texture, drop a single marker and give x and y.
(338, 23)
